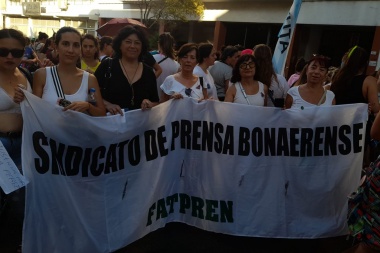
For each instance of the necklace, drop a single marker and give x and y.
(130, 80)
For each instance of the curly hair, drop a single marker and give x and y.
(126, 32)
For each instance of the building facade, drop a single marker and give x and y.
(324, 27)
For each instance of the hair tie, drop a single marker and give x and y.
(351, 51)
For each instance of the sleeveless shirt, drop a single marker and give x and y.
(255, 99)
(50, 94)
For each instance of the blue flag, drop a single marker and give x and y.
(285, 37)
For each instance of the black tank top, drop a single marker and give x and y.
(354, 92)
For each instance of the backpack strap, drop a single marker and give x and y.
(27, 74)
(57, 82)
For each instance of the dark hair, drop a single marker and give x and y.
(300, 64)
(264, 69)
(357, 60)
(46, 46)
(228, 51)
(126, 32)
(13, 34)
(236, 77)
(42, 35)
(105, 40)
(65, 29)
(321, 59)
(186, 48)
(91, 37)
(205, 50)
(239, 47)
(166, 42)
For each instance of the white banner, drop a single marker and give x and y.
(10, 177)
(285, 37)
(98, 184)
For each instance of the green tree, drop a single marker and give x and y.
(152, 11)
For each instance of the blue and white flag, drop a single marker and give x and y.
(285, 37)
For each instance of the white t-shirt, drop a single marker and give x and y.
(169, 67)
(171, 86)
(208, 80)
(279, 89)
(299, 103)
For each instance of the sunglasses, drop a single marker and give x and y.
(188, 92)
(16, 53)
(249, 65)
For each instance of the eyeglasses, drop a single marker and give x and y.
(247, 65)
(188, 92)
(16, 53)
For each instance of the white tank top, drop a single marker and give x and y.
(255, 99)
(50, 93)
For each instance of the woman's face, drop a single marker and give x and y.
(11, 53)
(316, 73)
(247, 69)
(210, 60)
(233, 59)
(131, 47)
(69, 48)
(188, 61)
(88, 48)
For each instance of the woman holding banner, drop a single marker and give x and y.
(66, 84)
(126, 82)
(12, 44)
(185, 83)
(312, 92)
(245, 89)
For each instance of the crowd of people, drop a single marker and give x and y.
(125, 76)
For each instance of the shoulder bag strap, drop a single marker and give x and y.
(57, 82)
(270, 94)
(163, 59)
(244, 94)
(323, 97)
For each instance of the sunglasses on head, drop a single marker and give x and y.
(188, 92)
(16, 53)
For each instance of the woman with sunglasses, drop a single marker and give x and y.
(12, 44)
(245, 89)
(312, 93)
(184, 83)
(73, 84)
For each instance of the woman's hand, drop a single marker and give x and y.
(79, 106)
(146, 104)
(114, 109)
(19, 94)
(45, 63)
(177, 96)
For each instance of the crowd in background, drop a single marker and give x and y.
(123, 75)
